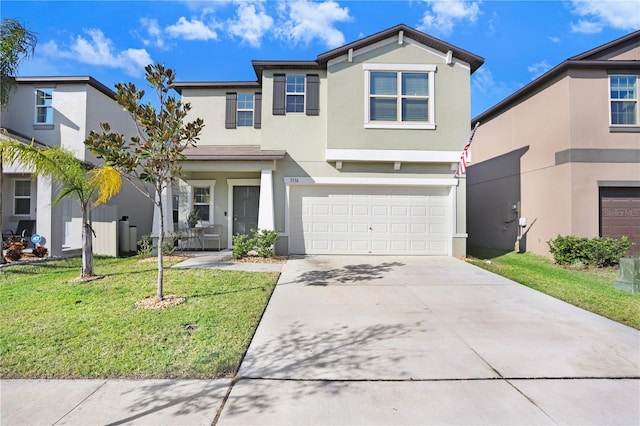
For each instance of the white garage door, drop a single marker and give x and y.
(369, 220)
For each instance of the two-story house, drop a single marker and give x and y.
(61, 111)
(354, 152)
(562, 154)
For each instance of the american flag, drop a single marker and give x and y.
(462, 167)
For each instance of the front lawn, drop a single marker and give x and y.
(52, 326)
(590, 289)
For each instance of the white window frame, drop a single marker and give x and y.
(636, 100)
(239, 110)
(22, 197)
(428, 69)
(287, 93)
(49, 91)
(209, 184)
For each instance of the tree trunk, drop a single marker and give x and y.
(87, 242)
(159, 294)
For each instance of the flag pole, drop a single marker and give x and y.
(462, 166)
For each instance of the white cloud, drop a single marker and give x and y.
(539, 68)
(484, 84)
(251, 23)
(620, 14)
(99, 50)
(305, 21)
(191, 30)
(154, 31)
(554, 39)
(442, 15)
(586, 27)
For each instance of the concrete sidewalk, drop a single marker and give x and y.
(382, 340)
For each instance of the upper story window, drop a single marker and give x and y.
(22, 198)
(399, 96)
(295, 93)
(44, 106)
(245, 109)
(623, 96)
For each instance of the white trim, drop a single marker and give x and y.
(370, 181)
(636, 100)
(362, 51)
(266, 218)
(397, 125)
(400, 67)
(230, 184)
(408, 156)
(203, 183)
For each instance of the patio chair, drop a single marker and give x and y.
(213, 233)
(25, 230)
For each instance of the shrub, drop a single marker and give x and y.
(242, 244)
(599, 252)
(14, 250)
(40, 251)
(169, 244)
(264, 241)
(145, 246)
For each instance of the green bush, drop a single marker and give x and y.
(169, 244)
(265, 239)
(242, 244)
(599, 252)
(145, 246)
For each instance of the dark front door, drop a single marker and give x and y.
(245, 209)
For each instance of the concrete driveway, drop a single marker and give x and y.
(429, 340)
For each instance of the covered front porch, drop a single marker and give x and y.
(227, 188)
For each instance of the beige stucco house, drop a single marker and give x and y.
(353, 152)
(561, 154)
(61, 111)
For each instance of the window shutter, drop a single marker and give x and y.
(230, 112)
(313, 94)
(257, 111)
(279, 90)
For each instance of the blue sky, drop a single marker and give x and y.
(112, 41)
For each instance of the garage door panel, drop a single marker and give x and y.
(363, 219)
(620, 214)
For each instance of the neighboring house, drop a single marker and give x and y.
(61, 111)
(563, 152)
(351, 153)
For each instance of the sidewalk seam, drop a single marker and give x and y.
(80, 403)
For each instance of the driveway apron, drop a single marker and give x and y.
(429, 340)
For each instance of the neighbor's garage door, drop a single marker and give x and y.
(369, 220)
(620, 213)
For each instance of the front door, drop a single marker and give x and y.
(245, 209)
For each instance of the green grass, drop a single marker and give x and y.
(52, 326)
(590, 289)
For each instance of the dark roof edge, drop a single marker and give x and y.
(615, 44)
(22, 138)
(473, 60)
(260, 65)
(547, 77)
(216, 85)
(84, 79)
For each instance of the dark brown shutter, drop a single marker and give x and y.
(257, 110)
(279, 91)
(230, 112)
(313, 94)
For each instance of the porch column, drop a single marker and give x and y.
(168, 215)
(49, 222)
(265, 208)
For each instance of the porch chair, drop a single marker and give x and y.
(25, 230)
(213, 233)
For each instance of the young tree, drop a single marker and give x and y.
(151, 159)
(90, 185)
(17, 44)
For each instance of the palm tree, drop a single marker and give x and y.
(90, 185)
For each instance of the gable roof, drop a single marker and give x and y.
(591, 59)
(322, 59)
(474, 61)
